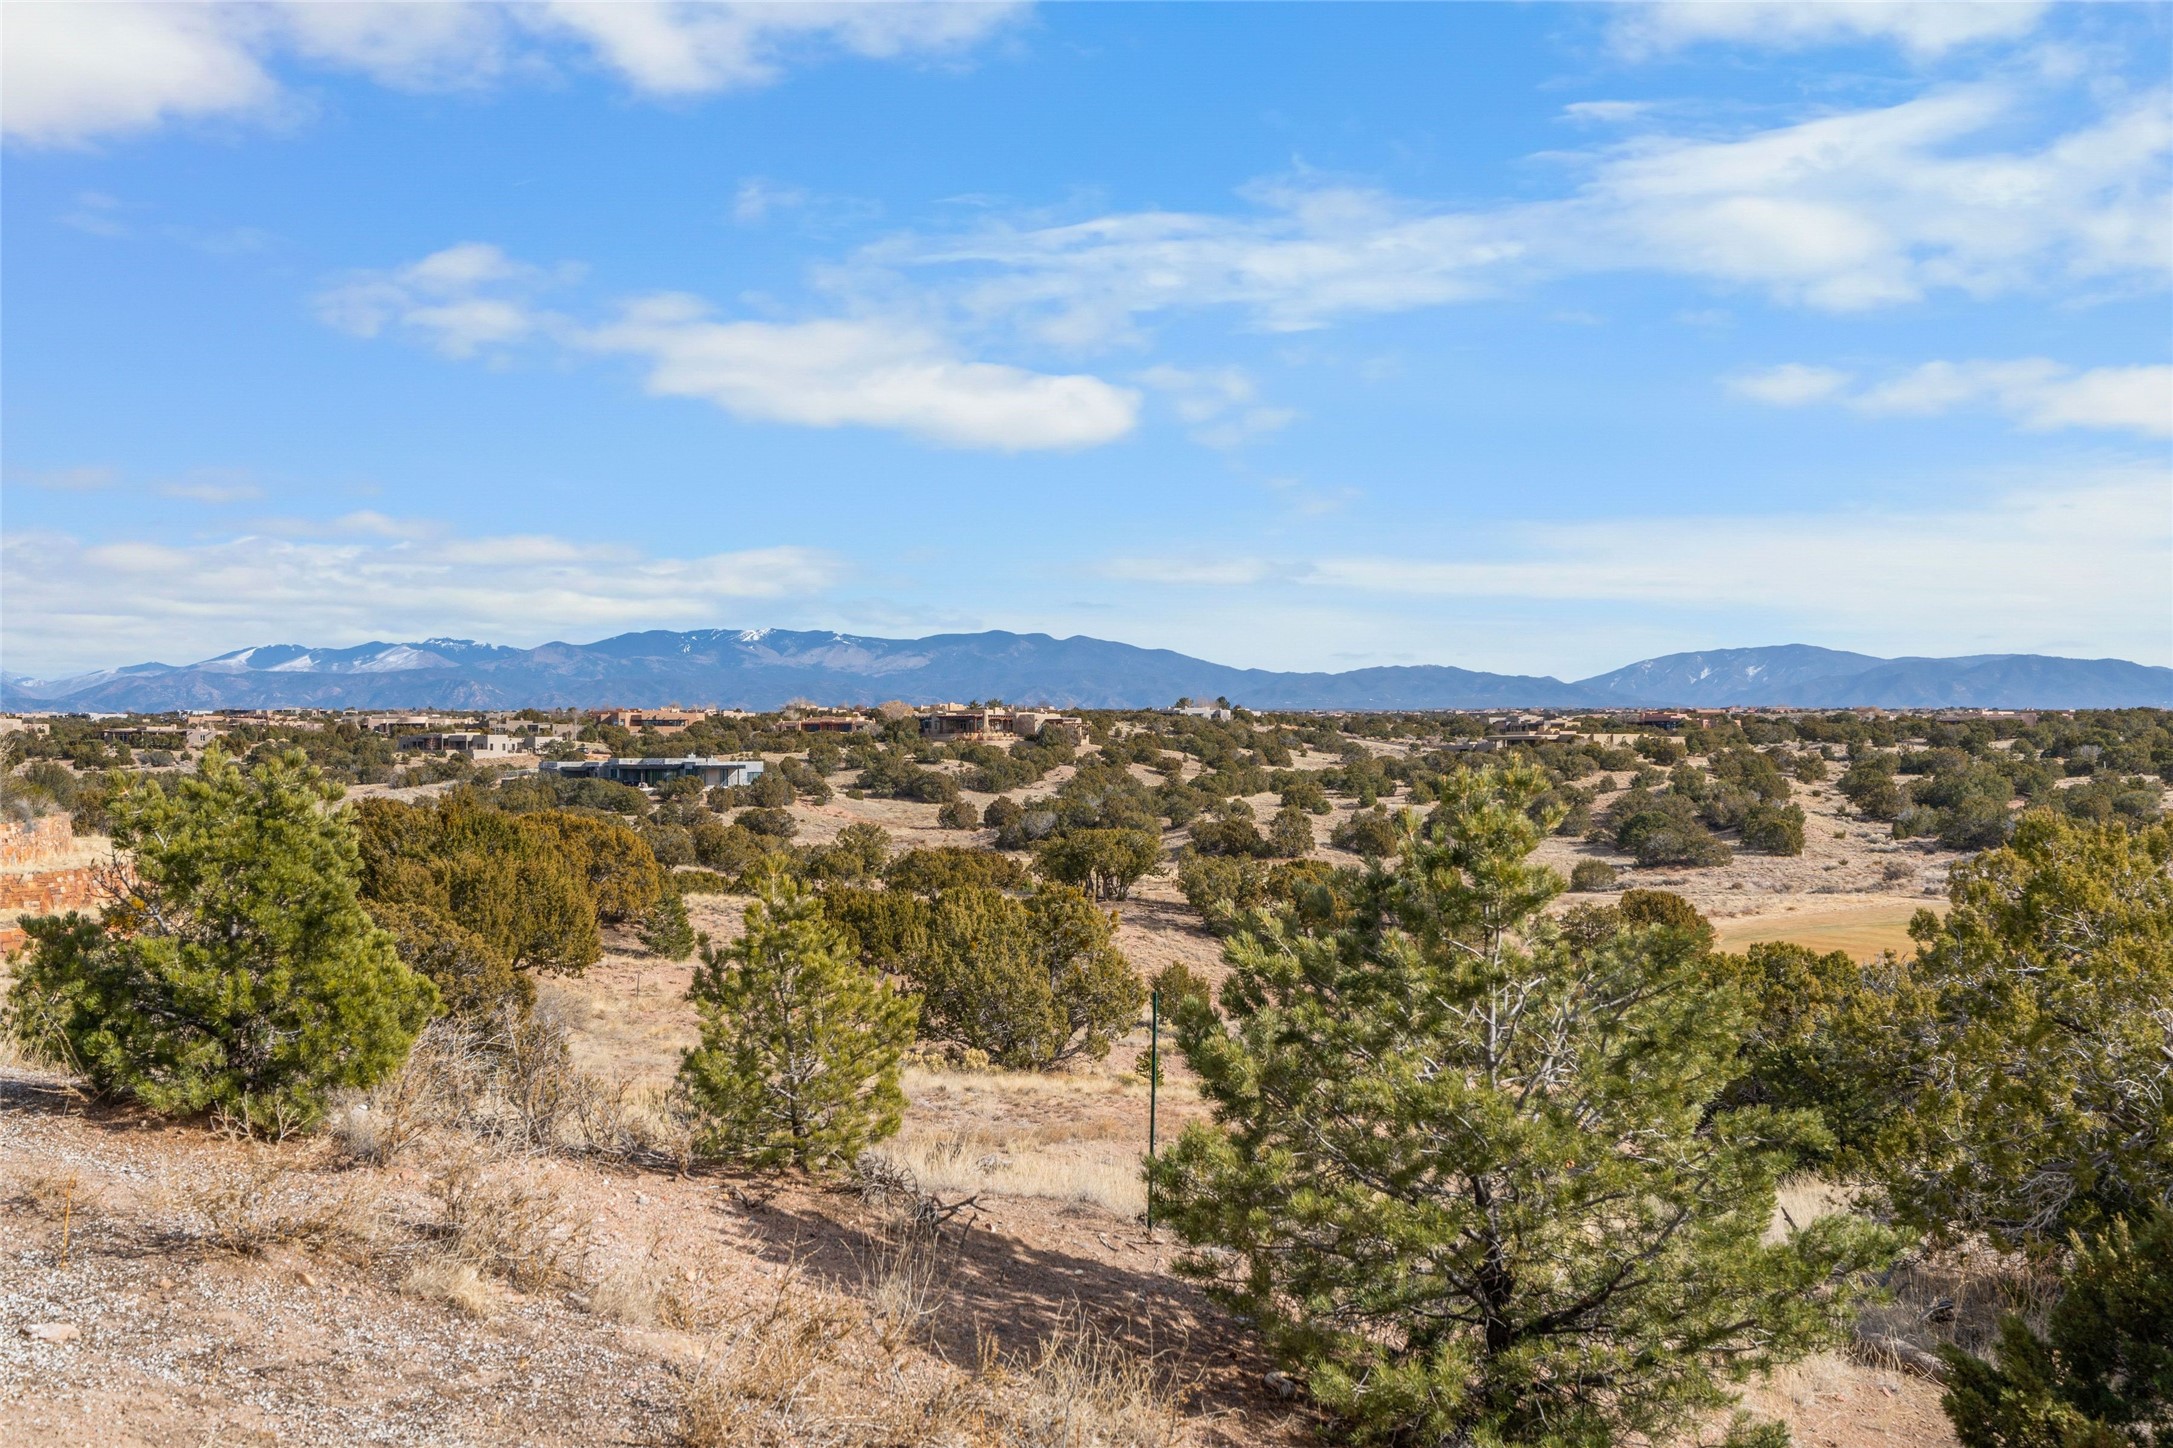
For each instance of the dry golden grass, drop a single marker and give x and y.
(1862, 931)
(453, 1282)
(512, 1081)
(1801, 1201)
(1072, 1137)
(661, 1283)
(262, 1197)
(1082, 1391)
(506, 1219)
(1959, 1297)
(812, 1369)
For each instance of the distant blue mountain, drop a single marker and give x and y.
(767, 668)
(1808, 677)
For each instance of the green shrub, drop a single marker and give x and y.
(240, 971)
(473, 977)
(1664, 830)
(770, 790)
(1868, 783)
(1290, 834)
(1032, 982)
(1176, 984)
(775, 824)
(858, 852)
(959, 814)
(2100, 1375)
(1104, 863)
(1371, 833)
(1240, 837)
(931, 871)
(671, 844)
(1775, 830)
(665, 931)
(1592, 875)
(2009, 1049)
(1664, 908)
(728, 849)
(798, 1061)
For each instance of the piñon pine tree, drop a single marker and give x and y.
(798, 1063)
(665, 930)
(2101, 1373)
(237, 971)
(2024, 1048)
(1464, 1172)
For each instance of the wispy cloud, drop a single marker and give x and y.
(2040, 394)
(73, 73)
(461, 300)
(1791, 384)
(1220, 405)
(882, 371)
(1924, 28)
(2081, 557)
(866, 372)
(1843, 212)
(72, 603)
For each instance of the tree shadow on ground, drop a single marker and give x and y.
(1002, 1294)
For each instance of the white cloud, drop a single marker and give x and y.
(689, 49)
(73, 604)
(1220, 404)
(68, 72)
(757, 198)
(1607, 112)
(2083, 557)
(865, 372)
(399, 43)
(828, 372)
(2040, 394)
(74, 72)
(462, 300)
(1869, 208)
(1842, 212)
(1924, 28)
(1789, 385)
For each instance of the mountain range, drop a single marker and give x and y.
(768, 668)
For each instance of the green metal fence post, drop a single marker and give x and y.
(1154, 1084)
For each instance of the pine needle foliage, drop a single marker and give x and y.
(665, 930)
(2100, 1375)
(798, 1062)
(238, 970)
(1465, 1171)
(2025, 1047)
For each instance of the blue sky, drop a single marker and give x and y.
(1534, 338)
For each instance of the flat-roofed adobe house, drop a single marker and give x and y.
(832, 724)
(647, 772)
(953, 723)
(460, 742)
(674, 720)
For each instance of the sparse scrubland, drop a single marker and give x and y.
(1781, 1075)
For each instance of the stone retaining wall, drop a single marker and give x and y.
(35, 842)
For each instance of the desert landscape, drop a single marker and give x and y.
(514, 1241)
(992, 724)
